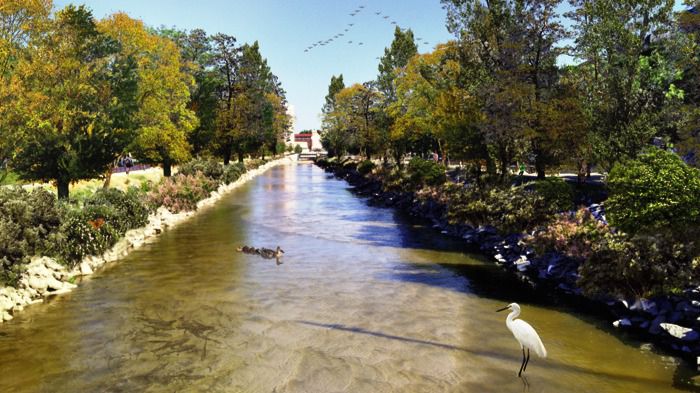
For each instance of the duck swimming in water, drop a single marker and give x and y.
(269, 254)
(248, 250)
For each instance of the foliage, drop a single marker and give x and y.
(334, 87)
(639, 266)
(509, 209)
(28, 222)
(253, 164)
(571, 234)
(181, 193)
(423, 173)
(298, 149)
(365, 167)
(556, 193)
(84, 232)
(163, 120)
(232, 172)
(655, 192)
(125, 210)
(206, 166)
(72, 112)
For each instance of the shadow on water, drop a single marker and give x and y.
(494, 355)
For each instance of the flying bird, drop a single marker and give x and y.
(378, 13)
(349, 42)
(351, 24)
(362, 6)
(525, 334)
(386, 16)
(393, 23)
(359, 43)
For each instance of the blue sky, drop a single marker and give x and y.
(284, 28)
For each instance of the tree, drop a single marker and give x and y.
(21, 22)
(76, 103)
(334, 87)
(352, 122)
(164, 122)
(197, 60)
(395, 58)
(627, 81)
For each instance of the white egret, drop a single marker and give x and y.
(525, 334)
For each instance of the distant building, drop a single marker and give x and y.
(305, 136)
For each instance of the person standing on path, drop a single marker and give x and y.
(128, 163)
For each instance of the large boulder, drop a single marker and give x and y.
(680, 332)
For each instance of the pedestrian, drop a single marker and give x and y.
(521, 168)
(128, 163)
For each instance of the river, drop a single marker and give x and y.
(365, 300)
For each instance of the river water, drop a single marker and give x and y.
(364, 301)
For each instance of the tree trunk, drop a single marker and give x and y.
(62, 186)
(240, 157)
(167, 168)
(539, 167)
(227, 159)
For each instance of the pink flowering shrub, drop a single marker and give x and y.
(181, 193)
(573, 235)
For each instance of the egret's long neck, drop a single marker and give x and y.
(513, 314)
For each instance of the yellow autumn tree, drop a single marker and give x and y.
(163, 119)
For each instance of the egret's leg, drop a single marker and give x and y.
(522, 364)
(527, 360)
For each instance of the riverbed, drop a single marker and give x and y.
(364, 300)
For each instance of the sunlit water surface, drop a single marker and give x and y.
(364, 301)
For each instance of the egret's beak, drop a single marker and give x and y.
(503, 309)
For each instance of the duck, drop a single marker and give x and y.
(248, 250)
(269, 254)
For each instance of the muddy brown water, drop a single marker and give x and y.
(364, 301)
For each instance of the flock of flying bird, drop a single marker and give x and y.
(340, 36)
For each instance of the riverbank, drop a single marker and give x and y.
(44, 276)
(670, 322)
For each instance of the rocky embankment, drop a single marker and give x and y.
(671, 322)
(45, 277)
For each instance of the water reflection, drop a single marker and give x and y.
(365, 301)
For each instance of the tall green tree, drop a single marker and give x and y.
(391, 64)
(71, 124)
(335, 86)
(627, 80)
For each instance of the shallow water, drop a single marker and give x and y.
(364, 301)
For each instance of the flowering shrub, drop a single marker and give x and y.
(571, 234)
(181, 193)
(82, 233)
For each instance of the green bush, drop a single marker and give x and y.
(639, 266)
(181, 193)
(509, 209)
(423, 173)
(28, 222)
(208, 167)
(253, 164)
(232, 172)
(127, 209)
(556, 192)
(84, 232)
(298, 149)
(655, 192)
(365, 167)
